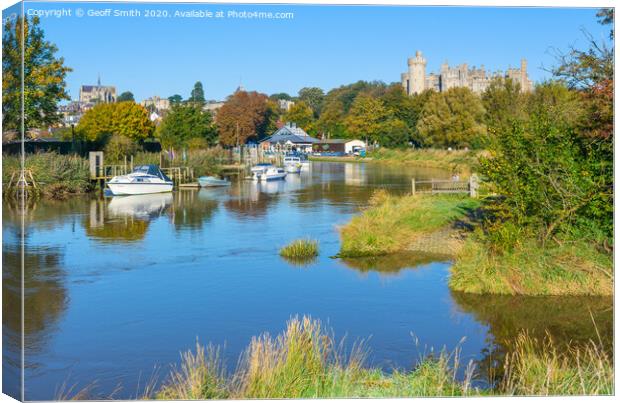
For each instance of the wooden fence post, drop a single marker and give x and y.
(473, 185)
(413, 186)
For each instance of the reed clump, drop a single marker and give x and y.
(305, 361)
(539, 367)
(300, 249)
(56, 175)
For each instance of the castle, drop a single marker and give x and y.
(415, 80)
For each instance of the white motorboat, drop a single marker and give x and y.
(292, 167)
(300, 159)
(144, 179)
(267, 172)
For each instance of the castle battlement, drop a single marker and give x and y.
(415, 80)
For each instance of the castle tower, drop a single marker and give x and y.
(413, 80)
(525, 85)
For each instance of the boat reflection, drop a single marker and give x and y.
(140, 206)
(125, 218)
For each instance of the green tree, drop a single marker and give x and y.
(198, 95)
(126, 119)
(185, 122)
(280, 95)
(125, 96)
(44, 79)
(366, 117)
(558, 103)
(175, 99)
(504, 102)
(243, 117)
(394, 133)
(313, 97)
(452, 119)
(303, 115)
(331, 121)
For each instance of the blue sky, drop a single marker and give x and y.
(324, 46)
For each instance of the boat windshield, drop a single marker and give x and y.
(151, 170)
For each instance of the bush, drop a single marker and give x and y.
(119, 147)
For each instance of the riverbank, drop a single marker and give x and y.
(459, 161)
(305, 361)
(394, 224)
(440, 224)
(60, 176)
(574, 267)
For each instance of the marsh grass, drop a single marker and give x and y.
(569, 268)
(300, 251)
(57, 175)
(538, 367)
(457, 160)
(391, 223)
(305, 361)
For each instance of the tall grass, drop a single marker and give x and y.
(300, 250)
(569, 268)
(305, 361)
(391, 223)
(56, 175)
(538, 367)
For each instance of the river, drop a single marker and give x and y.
(117, 287)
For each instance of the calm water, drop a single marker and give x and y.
(117, 287)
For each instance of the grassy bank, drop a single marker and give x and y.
(400, 223)
(458, 160)
(305, 361)
(56, 176)
(570, 268)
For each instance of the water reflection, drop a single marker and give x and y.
(567, 320)
(392, 264)
(192, 209)
(104, 272)
(45, 299)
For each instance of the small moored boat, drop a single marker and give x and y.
(267, 172)
(144, 179)
(209, 181)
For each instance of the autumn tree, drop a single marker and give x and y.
(242, 117)
(44, 79)
(331, 121)
(184, 123)
(452, 119)
(303, 115)
(366, 117)
(126, 119)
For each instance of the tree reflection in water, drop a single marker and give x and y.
(45, 300)
(566, 320)
(392, 264)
